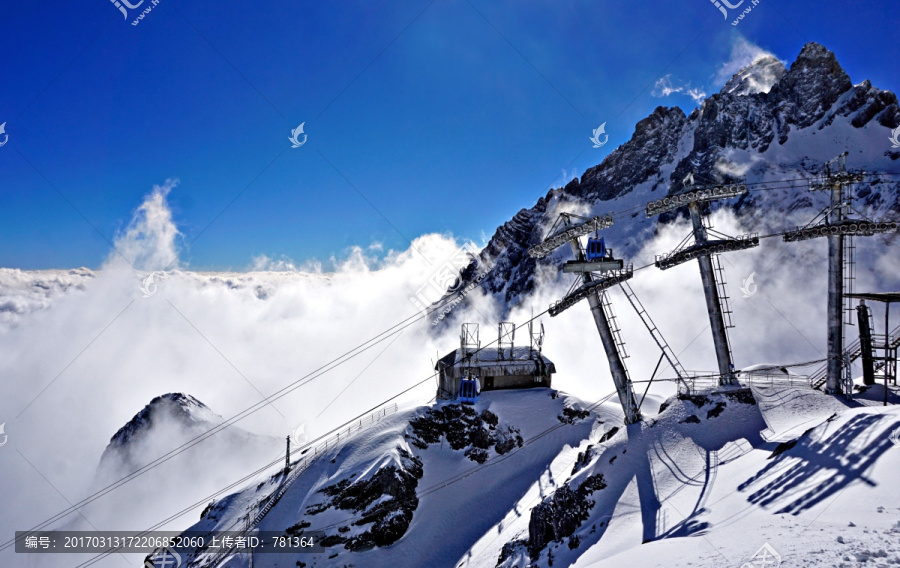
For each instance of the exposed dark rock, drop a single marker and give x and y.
(511, 549)
(583, 459)
(783, 447)
(716, 410)
(386, 500)
(699, 400)
(608, 434)
(743, 396)
(207, 510)
(463, 428)
(692, 419)
(571, 415)
(559, 515)
(297, 529)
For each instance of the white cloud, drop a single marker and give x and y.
(148, 242)
(665, 86)
(263, 263)
(102, 351)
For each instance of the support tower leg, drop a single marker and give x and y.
(835, 295)
(835, 312)
(713, 302)
(616, 366)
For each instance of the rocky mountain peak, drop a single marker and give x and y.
(758, 77)
(813, 83)
(177, 408)
(761, 122)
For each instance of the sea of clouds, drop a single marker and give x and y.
(82, 351)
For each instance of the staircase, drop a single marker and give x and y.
(818, 377)
(849, 271)
(723, 298)
(613, 324)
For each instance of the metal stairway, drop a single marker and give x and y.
(818, 377)
(723, 299)
(849, 271)
(613, 324)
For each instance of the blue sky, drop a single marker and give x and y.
(421, 116)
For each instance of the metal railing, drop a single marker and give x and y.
(310, 454)
(705, 383)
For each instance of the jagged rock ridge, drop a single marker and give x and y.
(753, 121)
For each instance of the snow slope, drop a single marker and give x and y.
(458, 498)
(715, 491)
(708, 482)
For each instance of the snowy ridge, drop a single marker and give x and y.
(297, 468)
(364, 476)
(707, 482)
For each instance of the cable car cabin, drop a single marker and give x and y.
(596, 249)
(468, 391)
(516, 368)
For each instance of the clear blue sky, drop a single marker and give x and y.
(449, 116)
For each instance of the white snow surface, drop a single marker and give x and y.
(811, 476)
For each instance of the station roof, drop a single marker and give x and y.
(489, 362)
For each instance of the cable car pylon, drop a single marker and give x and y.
(612, 271)
(835, 223)
(704, 250)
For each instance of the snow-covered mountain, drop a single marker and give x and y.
(168, 421)
(538, 478)
(529, 477)
(164, 424)
(766, 124)
(420, 486)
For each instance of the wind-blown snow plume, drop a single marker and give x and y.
(743, 54)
